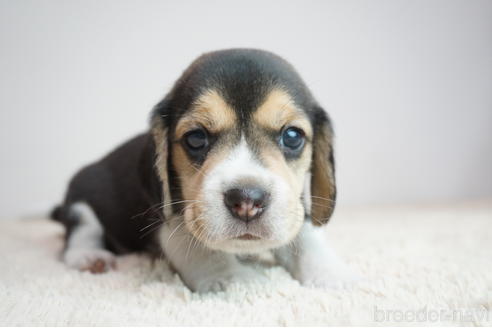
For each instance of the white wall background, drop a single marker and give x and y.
(407, 83)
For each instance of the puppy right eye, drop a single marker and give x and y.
(196, 140)
(292, 138)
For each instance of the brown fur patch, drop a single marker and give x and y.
(293, 173)
(279, 110)
(191, 179)
(161, 146)
(323, 190)
(210, 111)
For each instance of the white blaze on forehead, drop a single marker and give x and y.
(241, 164)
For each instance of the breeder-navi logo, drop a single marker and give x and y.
(431, 315)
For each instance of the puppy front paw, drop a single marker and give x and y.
(323, 276)
(92, 260)
(221, 280)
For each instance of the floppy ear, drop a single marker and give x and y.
(159, 132)
(323, 188)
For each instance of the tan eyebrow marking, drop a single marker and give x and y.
(211, 111)
(279, 110)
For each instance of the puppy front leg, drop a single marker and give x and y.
(312, 261)
(202, 269)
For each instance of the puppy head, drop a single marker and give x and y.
(238, 138)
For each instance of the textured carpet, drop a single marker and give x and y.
(421, 265)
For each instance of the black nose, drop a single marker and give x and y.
(246, 203)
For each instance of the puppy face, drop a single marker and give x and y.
(236, 140)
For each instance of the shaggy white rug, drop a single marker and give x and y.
(429, 266)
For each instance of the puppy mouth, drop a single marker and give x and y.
(247, 236)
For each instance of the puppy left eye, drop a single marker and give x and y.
(292, 138)
(196, 140)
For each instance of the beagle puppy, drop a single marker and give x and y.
(238, 160)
